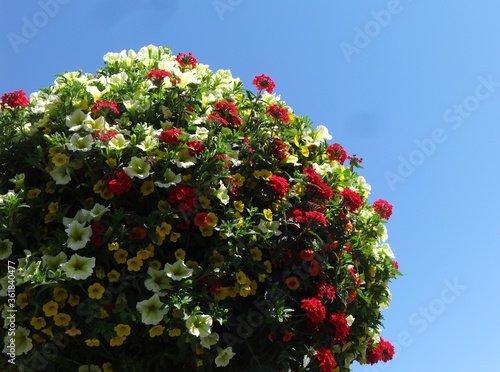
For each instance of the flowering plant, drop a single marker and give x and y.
(161, 217)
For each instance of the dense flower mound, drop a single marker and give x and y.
(158, 216)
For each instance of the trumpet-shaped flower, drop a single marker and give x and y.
(79, 143)
(169, 179)
(137, 168)
(199, 325)
(53, 262)
(157, 281)
(209, 340)
(269, 227)
(61, 175)
(5, 248)
(22, 343)
(178, 270)
(78, 235)
(78, 267)
(223, 356)
(152, 310)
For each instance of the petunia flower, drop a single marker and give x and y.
(157, 281)
(199, 325)
(137, 168)
(5, 248)
(223, 356)
(209, 340)
(22, 343)
(61, 175)
(78, 267)
(269, 227)
(78, 235)
(178, 270)
(169, 179)
(152, 310)
(79, 143)
(53, 262)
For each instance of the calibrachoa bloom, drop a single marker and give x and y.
(166, 211)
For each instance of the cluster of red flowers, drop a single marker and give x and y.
(14, 99)
(228, 112)
(278, 113)
(383, 208)
(341, 327)
(158, 75)
(264, 82)
(336, 152)
(318, 185)
(119, 183)
(279, 185)
(170, 136)
(325, 289)
(184, 195)
(351, 199)
(279, 150)
(186, 60)
(308, 217)
(315, 310)
(383, 352)
(326, 360)
(105, 135)
(105, 106)
(195, 147)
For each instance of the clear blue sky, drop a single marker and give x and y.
(413, 87)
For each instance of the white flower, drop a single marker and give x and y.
(78, 235)
(53, 262)
(78, 267)
(350, 319)
(91, 125)
(178, 270)
(363, 187)
(224, 356)
(75, 120)
(382, 233)
(82, 216)
(5, 248)
(22, 343)
(185, 159)
(157, 281)
(137, 168)
(199, 325)
(169, 179)
(61, 175)
(98, 210)
(152, 310)
(118, 142)
(269, 227)
(318, 136)
(221, 193)
(95, 92)
(210, 340)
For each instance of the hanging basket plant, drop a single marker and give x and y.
(157, 216)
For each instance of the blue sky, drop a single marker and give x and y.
(412, 86)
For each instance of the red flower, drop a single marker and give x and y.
(170, 136)
(382, 208)
(105, 106)
(279, 150)
(14, 99)
(105, 135)
(218, 119)
(326, 360)
(315, 217)
(278, 113)
(184, 195)
(137, 233)
(341, 327)
(325, 289)
(307, 254)
(186, 60)
(351, 199)
(158, 75)
(383, 352)
(119, 183)
(228, 112)
(279, 185)
(336, 152)
(97, 230)
(264, 82)
(315, 310)
(195, 147)
(288, 336)
(318, 186)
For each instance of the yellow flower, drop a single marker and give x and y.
(268, 214)
(59, 294)
(263, 173)
(113, 276)
(304, 150)
(233, 291)
(221, 293)
(245, 290)
(38, 322)
(238, 179)
(50, 308)
(207, 231)
(111, 162)
(113, 246)
(174, 332)
(239, 205)
(53, 207)
(143, 254)
(39, 339)
(174, 237)
(164, 229)
(147, 187)
(180, 254)
(107, 367)
(77, 164)
(253, 287)
(122, 330)
(73, 331)
(155, 264)
(157, 330)
(217, 259)
(262, 278)
(213, 219)
(204, 202)
(53, 151)
(33, 193)
(96, 291)
(162, 205)
(98, 187)
(93, 342)
(192, 264)
(299, 189)
(134, 264)
(117, 341)
(59, 159)
(48, 332)
(199, 362)
(269, 266)
(61, 319)
(50, 187)
(120, 256)
(241, 277)
(49, 217)
(73, 300)
(256, 254)
(240, 223)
